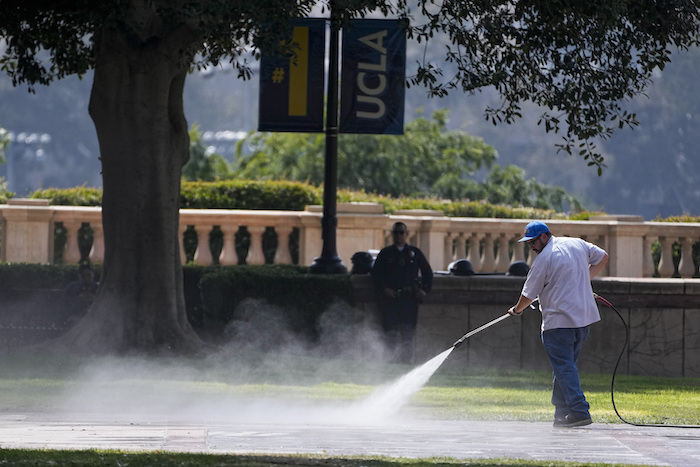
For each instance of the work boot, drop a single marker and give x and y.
(573, 420)
(560, 421)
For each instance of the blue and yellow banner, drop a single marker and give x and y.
(292, 87)
(373, 74)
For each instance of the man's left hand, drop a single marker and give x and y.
(512, 311)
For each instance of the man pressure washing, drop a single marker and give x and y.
(560, 277)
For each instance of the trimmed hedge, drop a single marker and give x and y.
(286, 287)
(78, 196)
(39, 276)
(213, 293)
(42, 277)
(229, 194)
(295, 196)
(246, 194)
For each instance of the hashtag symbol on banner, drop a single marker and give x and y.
(278, 75)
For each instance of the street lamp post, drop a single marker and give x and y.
(329, 262)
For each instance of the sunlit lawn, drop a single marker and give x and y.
(41, 383)
(45, 382)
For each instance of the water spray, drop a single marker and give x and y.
(389, 399)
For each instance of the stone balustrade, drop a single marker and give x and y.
(29, 226)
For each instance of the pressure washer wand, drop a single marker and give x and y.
(479, 329)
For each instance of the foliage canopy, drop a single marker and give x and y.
(579, 59)
(427, 161)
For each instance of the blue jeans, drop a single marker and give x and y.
(563, 347)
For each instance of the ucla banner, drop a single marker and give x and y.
(291, 87)
(373, 74)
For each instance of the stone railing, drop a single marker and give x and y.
(29, 235)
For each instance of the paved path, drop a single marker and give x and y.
(604, 443)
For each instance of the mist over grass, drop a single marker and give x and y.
(261, 373)
(286, 388)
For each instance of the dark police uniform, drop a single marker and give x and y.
(398, 270)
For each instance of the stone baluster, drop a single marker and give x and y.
(666, 268)
(461, 247)
(474, 256)
(488, 260)
(518, 248)
(228, 251)
(202, 256)
(282, 255)
(503, 257)
(686, 268)
(71, 255)
(531, 255)
(97, 252)
(648, 258)
(255, 251)
(448, 249)
(181, 240)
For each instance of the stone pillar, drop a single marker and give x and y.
(625, 245)
(432, 240)
(310, 241)
(360, 228)
(28, 231)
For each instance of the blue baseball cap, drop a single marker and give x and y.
(533, 230)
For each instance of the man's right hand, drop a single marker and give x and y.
(391, 293)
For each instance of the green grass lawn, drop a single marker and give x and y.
(44, 382)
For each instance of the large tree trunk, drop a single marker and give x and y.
(136, 105)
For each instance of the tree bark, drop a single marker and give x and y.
(136, 106)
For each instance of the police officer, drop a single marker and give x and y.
(396, 277)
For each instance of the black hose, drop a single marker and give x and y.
(612, 384)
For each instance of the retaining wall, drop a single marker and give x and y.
(663, 317)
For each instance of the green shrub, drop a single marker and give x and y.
(286, 286)
(5, 194)
(78, 196)
(246, 194)
(38, 276)
(295, 196)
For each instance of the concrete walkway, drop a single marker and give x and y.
(602, 443)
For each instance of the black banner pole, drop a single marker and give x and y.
(329, 262)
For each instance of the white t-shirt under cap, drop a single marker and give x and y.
(560, 278)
